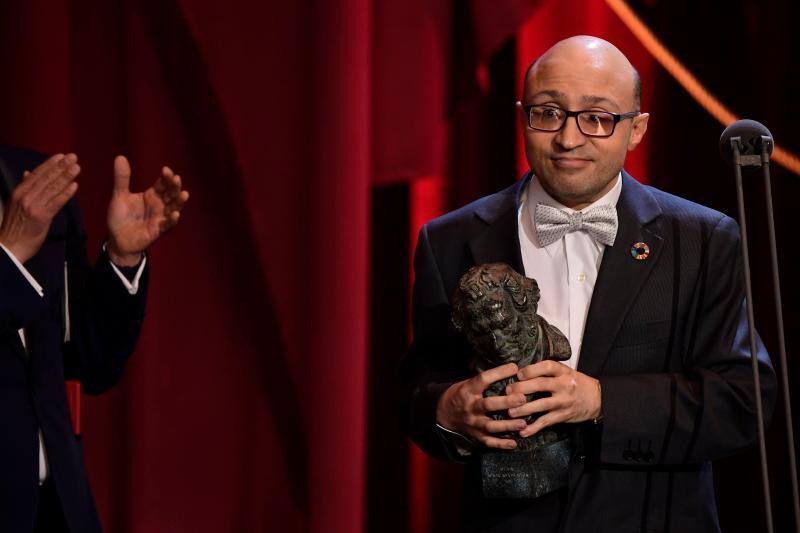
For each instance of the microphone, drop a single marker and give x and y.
(750, 136)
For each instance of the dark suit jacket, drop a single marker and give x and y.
(105, 323)
(666, 336)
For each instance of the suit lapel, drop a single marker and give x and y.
(620, 277)
(16, 345)
(498, 242)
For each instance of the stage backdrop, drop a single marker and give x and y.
(315, 137)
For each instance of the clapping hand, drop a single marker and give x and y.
(137, 220)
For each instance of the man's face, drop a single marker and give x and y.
(574, 168)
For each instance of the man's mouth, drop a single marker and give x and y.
(570, 162)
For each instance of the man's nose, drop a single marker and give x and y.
(570, 137)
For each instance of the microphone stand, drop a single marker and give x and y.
(738, 161)
(766, 148)
(762, 161)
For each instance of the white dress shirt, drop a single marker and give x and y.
(131, 286)
(566, 270)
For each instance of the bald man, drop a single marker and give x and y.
(646, 286)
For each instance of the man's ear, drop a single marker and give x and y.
(531, 290)
(638, 130)
(523, 120)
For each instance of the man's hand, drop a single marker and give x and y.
(462, 408)
(136, 220)
(574, 397)
(35, 201)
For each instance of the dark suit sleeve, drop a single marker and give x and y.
(19, 301)
(708, 409)
(433, 362)
(105, 318)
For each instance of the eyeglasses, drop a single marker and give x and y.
(590, 123)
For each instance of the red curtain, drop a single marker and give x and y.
(243, 407)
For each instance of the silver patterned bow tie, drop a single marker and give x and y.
(553, 223)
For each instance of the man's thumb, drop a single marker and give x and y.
(122, 174)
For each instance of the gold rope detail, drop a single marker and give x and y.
(687, 80)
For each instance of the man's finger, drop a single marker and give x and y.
(43, 183)
(42, 169)
(169, 221)
(175, 181)
(494, 442)
(483, 380)
(58, 201)
(530, 386)
(59, 167)
(542, 405)
(501, 403)
(544, 421)
(166, 182)
(172, 214)
(501, 426)
(542, 368)
(183, 197)
(122, 174)
(176, 204)
(173, 188)
(57, 179)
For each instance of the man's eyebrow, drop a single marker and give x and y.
(552, 93)
(590, 99)
(587, 99)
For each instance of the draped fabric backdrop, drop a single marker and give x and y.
(315, 138)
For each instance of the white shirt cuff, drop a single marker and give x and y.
(24, 271)
(131, 286)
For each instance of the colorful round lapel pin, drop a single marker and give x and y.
(640, 251)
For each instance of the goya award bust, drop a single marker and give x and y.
(495, 308)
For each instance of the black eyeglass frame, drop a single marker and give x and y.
(567, 114)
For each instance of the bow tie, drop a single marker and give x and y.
(553, 223)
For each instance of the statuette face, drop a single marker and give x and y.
(495, 307)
